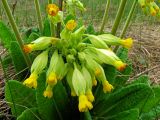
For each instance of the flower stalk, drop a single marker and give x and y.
(59, 24)
(87, 115)
(39, 16)
(127, 22)
(128, 19)
(105, 16)
(16, 31)
(118, 16)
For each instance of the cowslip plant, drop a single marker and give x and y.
(76, 75)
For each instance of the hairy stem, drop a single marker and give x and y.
(128, 19)
(16, 31)
(104, 20)
(118, 16)
(39, 15)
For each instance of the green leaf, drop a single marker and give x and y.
(153, 100)
(153, 114)
(132, 114)
(18, 59)
(132, 96)
(47, 30)
(29, 114)
(142, 79)
(6, 36)
(122, 53)
(19, 97)
(54, 108)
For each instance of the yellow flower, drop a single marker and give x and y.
(120, 65)
(52, 9)
(52, 79)
(31, 81)
(84, 104)
(28, 48)
(48, 92)
(127, 43)
(107, 87)
(90, 96)
(71, 25)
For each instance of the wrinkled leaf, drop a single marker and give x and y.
(19, 97)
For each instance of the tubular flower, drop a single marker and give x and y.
(52, 79)
(120, 65)
(71, 25)
(90, 96)
(127, 43)
(48, 92)
(28, 48)
(84, 104)
(31, 82)
(52, 9)
(107, 87)
(113, 40)
(109, 57)
(40, 44)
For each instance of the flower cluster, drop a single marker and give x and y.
(75, 60)
(149, 6)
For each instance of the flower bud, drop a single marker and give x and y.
(78, 81)
(98, 43)
(69, 81)
(109, 57)
(87, 77)
(40, 62)
(110, 39)
(51, 72)
(40, 44)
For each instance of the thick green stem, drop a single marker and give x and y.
(127, 22)
(118, 16)
(128, 19)
(39, 16)
(87, 116)
(59, 24)
(16, 31)
(105, 16)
